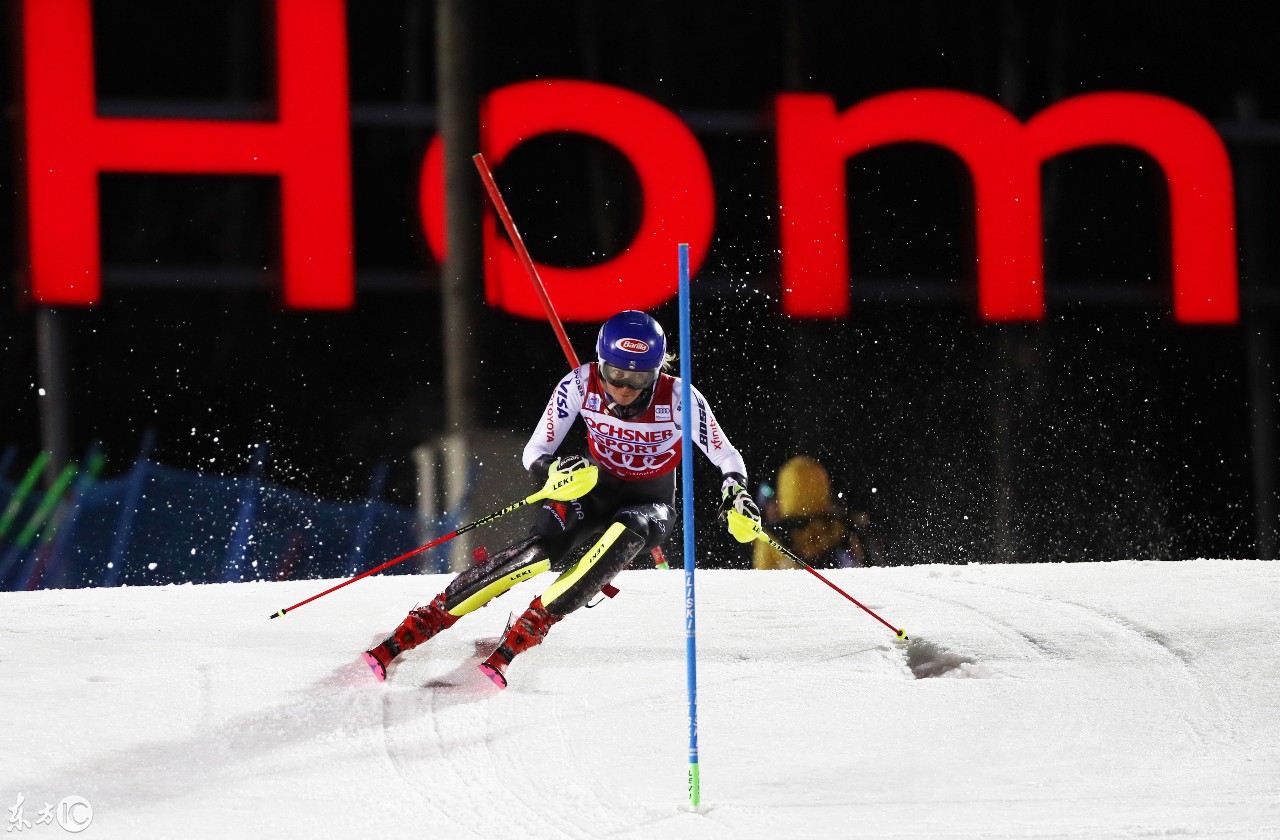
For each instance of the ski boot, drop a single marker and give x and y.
(421, 624)
(527, 631)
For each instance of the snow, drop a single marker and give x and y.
(1127, 699)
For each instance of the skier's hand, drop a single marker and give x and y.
(541, 466)
(570, 477)
(739, 510)
(733, 496)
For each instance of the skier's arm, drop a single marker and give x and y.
(711, 439)
(557, 419)
(705, 431)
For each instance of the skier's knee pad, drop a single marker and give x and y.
(487, 580)
(577, 584)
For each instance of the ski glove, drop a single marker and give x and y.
(541, 467)
(568, 463)
(739, 510)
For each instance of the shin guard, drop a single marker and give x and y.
(615, 549)
(487, 580)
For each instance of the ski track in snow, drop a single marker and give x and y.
(1200, 707)
(1195, 685)
(1047, 701)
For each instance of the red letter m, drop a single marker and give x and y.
(1004, 158)
(307, 147)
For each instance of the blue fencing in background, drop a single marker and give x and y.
(159, 525)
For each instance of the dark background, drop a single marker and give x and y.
(1108, 431)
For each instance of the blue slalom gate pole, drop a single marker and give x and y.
(686, 492)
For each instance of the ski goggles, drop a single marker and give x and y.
(635, 379)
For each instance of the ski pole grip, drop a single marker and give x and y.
(565, 487)
(745, 529)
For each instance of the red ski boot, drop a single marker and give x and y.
(527, 631)
(421, 624)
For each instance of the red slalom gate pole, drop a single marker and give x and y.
(491, 186)
(486, 175)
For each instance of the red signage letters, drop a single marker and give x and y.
(1004, 157)
(307, 147)
(679, 204)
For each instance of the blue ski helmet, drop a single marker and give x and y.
(632, 340)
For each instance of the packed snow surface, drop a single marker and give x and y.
(1128, 699)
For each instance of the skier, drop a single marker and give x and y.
(634, 423)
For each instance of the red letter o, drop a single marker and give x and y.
(678, 198)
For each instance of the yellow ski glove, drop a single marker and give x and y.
(739, 510)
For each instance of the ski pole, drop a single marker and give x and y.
(562, 488)
(742, 526)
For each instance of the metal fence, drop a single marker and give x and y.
(159, 525)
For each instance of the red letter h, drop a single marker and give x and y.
(307, 147)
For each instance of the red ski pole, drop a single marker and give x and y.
(562, 488)
(745, 526)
